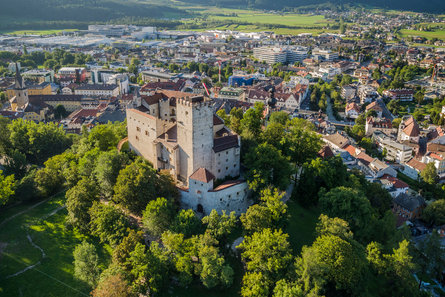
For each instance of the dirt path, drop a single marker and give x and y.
(28, 209)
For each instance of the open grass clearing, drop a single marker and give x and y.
(301, 225)
(54, 275)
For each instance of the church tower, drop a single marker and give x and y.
(20, 100)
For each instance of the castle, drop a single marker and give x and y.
(180, 133)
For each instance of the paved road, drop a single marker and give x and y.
(331, 117)
(385, 112)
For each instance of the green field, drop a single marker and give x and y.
(257, 17)
(54, 275)
(38, 32)
(439, 34)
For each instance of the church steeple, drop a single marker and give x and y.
(19, 83)
(20, 100)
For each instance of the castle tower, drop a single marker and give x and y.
(195, 135)
(20, 100)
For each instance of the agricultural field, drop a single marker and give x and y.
(439, 34)
(38, 32)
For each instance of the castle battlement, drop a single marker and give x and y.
(196, 101)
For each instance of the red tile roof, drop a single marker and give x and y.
(202, 175)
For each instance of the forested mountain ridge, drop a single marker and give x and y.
(83, 10)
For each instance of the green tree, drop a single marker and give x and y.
(333, 226)
(301, 142)
(418, 96)
(113, 286)
(351, 206)
(236, 115)
(86, 263)
(267, 166)
(273, 134)
(429, 174)
(187, 223)
(434, 213)
(254, 285)
(280, 117)
(60, 112)
(138, 184)
(108, 223)
(122, 251)
(7, 186)
(267, 252)
(107, 170)
(395, 270)
(432, 256)
(79, 200)
(252, 120)
(331, 260)
(269, 213)
(221, 225)
(149, 269)
(287, 289)
(157, 216)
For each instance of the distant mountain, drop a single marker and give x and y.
(82, 10)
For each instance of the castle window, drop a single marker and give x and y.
(186, 113)
(227, 160)
(230, 196)
(138, 129)
(227, 152)
(227, 168)
(219, 170)
(146, 133)
(137, 137)
(237, 193)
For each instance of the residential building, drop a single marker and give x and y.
(348, 92)
(407, 206)
(324, 54)
(413, 168)
(378, 124)
(231, 94)
(105, 90)
(399, 94)
(336, 141)
(394, 186)
(39, 75)
(375, 106)
(367, 94)
(352, 110)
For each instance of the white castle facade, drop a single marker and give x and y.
(182, 134)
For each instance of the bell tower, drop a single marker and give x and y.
(20, 100)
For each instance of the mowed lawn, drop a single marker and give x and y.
(54, 275)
